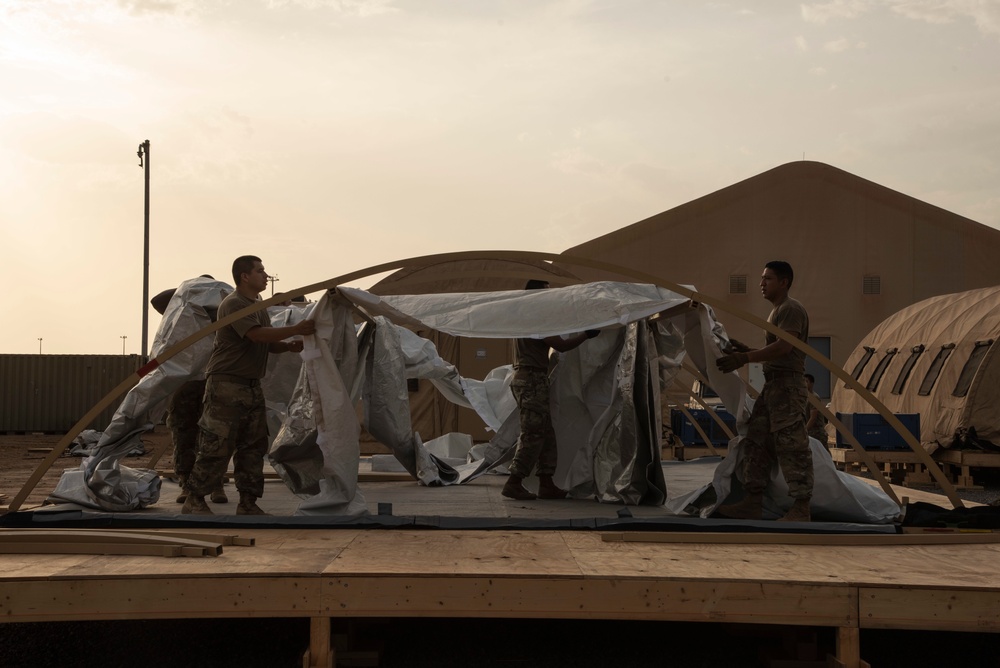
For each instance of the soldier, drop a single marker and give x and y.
(776, 428)
(530, 385)
(815, 421)
(183, 412)
(233, 422)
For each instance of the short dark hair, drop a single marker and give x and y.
(536, 284)
(782, 270)
(811, 377)
(243, 265)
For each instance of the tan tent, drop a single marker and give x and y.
(935, 358)
(860, 251)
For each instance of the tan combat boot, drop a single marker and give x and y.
(514, 489)
(195, 505)
(548, 489)
(750, 508)
(248, 505)
(799, 512)
(219, 495)
(182, 497)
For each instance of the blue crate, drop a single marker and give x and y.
(690, 436)
(874, 433)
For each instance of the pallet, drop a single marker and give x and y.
(905, 468)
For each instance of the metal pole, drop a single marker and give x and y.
(39, 345)
(144, 150)
(123, 337)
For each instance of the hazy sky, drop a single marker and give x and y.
(330, 135)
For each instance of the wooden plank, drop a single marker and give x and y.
(929, 609)
(697, 428)
(964, 538)
(540, 553)
(968, 458)
(612, 598)
(105, 548)
(173, 598)
(92, 536)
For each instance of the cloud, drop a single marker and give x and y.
(362, 8)
(818, 71)
(577, 161)
(801, 42)
(838, 9)
(984, 13)
(837, 45)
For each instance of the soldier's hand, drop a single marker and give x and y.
(295, 346)
(738, 346)
(306, 327)
(591, 333)
(731, 362)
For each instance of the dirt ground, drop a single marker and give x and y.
(22, 454)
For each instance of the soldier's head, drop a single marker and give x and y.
(776, 280)
(810, 381)
(536, 284)
(249, 274)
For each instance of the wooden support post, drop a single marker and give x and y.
(320, 653)
(848, 649)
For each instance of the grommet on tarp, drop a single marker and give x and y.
(624, 512)
(384, 508)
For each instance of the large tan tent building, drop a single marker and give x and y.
(937, 358)
(860, 251)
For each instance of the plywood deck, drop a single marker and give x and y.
(350, 572)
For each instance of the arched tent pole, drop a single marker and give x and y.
(474, 255)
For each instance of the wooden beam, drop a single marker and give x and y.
(592, 598)
(320, 653)
(954, 609)
(697, 428)
(863, 540)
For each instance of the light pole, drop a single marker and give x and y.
(39, 345)
(123, 337)
(272, 280)
(144, 151)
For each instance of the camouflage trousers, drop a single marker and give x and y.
(537, 444)
(233, 424)
(777, 430)
(183, 413)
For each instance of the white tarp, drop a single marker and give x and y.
(605, 393)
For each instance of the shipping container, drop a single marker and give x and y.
(50, 393)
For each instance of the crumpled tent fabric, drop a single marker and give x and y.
(101, 482)
(837, 496)
(605, 392)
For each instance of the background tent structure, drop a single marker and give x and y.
(861, 251)
(937, 358)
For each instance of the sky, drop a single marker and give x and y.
(328, 136)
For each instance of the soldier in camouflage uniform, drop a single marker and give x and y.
(183, 412)
(233, 422)
(536, 447)
(815, 421)
(776, 429)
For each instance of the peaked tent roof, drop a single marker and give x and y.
(835, 229)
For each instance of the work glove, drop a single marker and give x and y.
(591, 333)
(738, 346)
(731, 362)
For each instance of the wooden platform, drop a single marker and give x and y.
(321, 574)
(905, 467)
